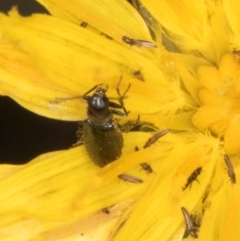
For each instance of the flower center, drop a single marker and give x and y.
(220, 99)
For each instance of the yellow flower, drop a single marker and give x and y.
(192, 91)
(220, 109)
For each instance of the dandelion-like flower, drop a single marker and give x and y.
(189, 85)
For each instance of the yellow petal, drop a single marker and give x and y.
(61, 61)
(208, 98)
(185, 21)
(206, 116)
(163, 201)
(103, 16)
(231, 11)
(229, 67)
(209, 77)
(231, 137)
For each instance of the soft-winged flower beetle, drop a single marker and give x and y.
(101, 135)
(191, 226)
(138, 42)
(193, 177)
(231, 172)
(148, 143)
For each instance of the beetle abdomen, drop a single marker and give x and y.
(103, 146)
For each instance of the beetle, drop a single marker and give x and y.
(101, 135)
(155, 137)
(146, 167)
(191, 228)
(139, 75)
(231, 172)
(193, 177)
(138, 42)
(105, 210)
(129, 178)
(84, 24)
